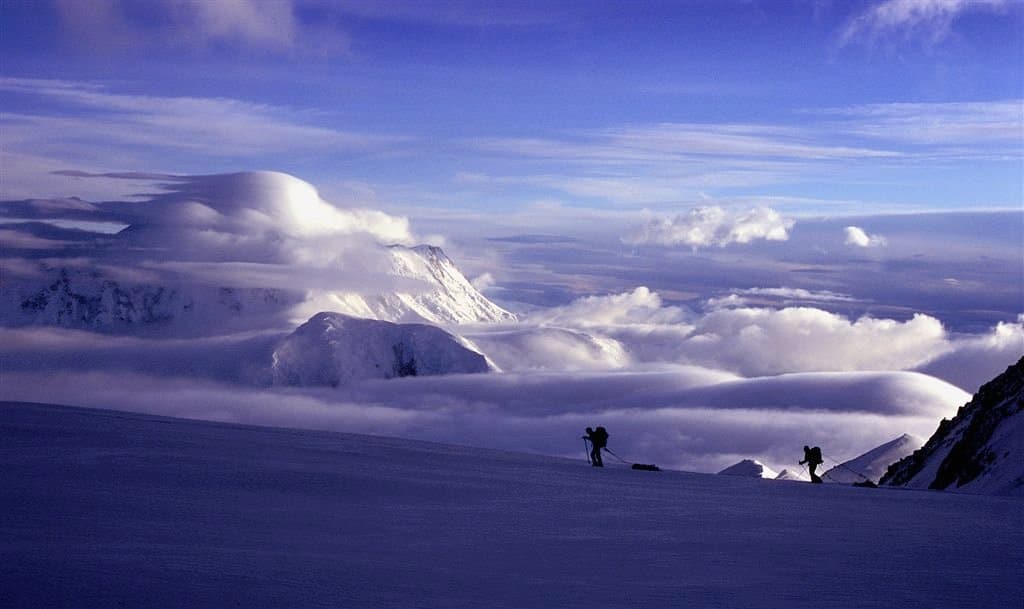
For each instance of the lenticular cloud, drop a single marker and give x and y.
(256, 216)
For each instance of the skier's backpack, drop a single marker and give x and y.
(816, 455)
(600, 437)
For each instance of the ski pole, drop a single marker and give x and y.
(842, 465)
(586, 449)
(608, 450)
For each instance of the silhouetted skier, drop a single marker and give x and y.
(812, 457)
(598, 440)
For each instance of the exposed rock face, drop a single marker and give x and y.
(980, 449)
(333, 349)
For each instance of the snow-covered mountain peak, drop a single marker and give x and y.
(334, 349)
(749, 468)
(448, 297)
(796, 475)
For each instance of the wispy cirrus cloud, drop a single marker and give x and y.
(667, 163)
(972, 127)
(213, 126)
(930, 19)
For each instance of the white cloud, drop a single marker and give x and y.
(624, 331)
(641, 306)
(255, 217)
(483, 282)
(976, 359)
(765, 341)
(857, 237)
(931, 19)
(550, 349)
(247, 230)
(706, 226)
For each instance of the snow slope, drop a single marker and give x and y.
(111, 509)
(980, 450)
(872, 464)
(334, 349)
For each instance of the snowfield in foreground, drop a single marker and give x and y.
(105, 509)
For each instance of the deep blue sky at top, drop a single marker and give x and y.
(805, 106)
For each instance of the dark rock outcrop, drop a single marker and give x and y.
(965, 449)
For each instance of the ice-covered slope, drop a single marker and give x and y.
(872, 464)
(111, 509)
(749, 468)
(334, 349)
(980, 450)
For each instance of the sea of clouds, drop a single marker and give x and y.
(698, 380)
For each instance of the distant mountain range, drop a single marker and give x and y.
(93, 299)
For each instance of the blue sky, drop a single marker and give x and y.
(807, 107)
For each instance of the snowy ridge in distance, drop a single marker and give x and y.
(872, 464)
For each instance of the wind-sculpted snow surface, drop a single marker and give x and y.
(110, 509)
(980, 450)
(333, 349)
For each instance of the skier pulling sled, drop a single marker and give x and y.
(598, 439)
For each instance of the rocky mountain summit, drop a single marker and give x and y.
(980, 450)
